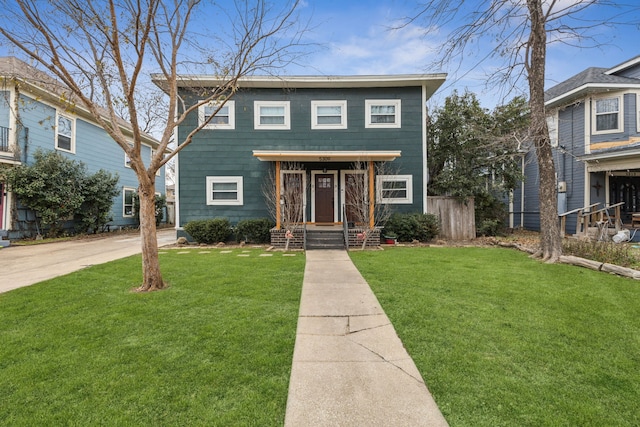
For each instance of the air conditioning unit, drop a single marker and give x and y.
(562, 187)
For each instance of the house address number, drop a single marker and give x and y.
(324, 159)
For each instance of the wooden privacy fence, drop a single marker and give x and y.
(457, 218)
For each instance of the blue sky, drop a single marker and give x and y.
(354, 37)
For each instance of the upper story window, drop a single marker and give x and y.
(607, 115)
(65, 135)
(383, 113)
(271, 115)
(225, 118)
(328, 114)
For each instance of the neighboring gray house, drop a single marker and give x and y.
(594, 124)
(33, 117)
(324, 123)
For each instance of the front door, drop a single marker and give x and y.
(324, 198)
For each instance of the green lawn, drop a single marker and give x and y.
(503, 340)
(213, 349)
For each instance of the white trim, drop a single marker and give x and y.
(238, 180)
(589, 88)
(281, 126)
(72, 142)
(176, 189)
(397, 103)
(313, 192)
(329, 103)
(425, 154)
(627, 64)
(343, 185)
(587, 126)
(231, 108)
(133, 214)
(325, 156)
(553, 128)
(620, 113)
(408, 179)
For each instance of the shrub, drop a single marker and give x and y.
(491, 215)
(255, 230)
(609, 252)
(209, 230)
(413, 226)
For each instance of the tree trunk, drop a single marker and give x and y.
(550, 239)
(151, 275)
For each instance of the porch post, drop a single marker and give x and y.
(278, 206)
(372, 199)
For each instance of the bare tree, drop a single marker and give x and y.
(285, 197)
(519, 33)
(360, 209)
(104, 51)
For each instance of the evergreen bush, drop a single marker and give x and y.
(209, 231)
(413, 226)
(255, 230)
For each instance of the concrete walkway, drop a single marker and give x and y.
(349, 366)
(26, 265)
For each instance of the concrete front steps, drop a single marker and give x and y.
(3, 235)
(325, 239)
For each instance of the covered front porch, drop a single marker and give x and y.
(326, 192)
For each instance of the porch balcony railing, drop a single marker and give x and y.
(4, 139)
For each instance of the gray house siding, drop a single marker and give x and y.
(230, 152)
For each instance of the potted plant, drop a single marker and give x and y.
(390, 238)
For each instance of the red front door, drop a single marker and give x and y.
(324, 198)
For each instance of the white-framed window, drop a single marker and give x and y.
(382, 113)
(552, 125)
(128, 210)
(329, 114)
(607, 114)
(394, 189)
(65, 133)
(225, 118)
(274, 115)
(225, 190)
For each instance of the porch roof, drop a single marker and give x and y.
(325, 156)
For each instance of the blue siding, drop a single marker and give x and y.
(93, 146)
(229, 152)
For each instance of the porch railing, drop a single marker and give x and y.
(4, 139)
(345, 226)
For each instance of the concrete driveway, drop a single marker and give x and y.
(26, 265)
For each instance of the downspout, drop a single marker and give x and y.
(425, 167)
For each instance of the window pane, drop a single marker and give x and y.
(329, 120)
(389, 185)
(383, 119)
(607, 105)
(329, 110)
(607, 121)
(383, 109)
(272, 111)
(64, 142)
(394, 194)
(271, 120)
(225, 195)
(224, 186)
(64, 126)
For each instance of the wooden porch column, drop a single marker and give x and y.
(278, 207)
(372, 199)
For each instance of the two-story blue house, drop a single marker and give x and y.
(594, 125)
(33, 117)
(324, 124)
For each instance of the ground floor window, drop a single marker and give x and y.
(396, 189)
(225, 190)
(127, 202)
(625, 189)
